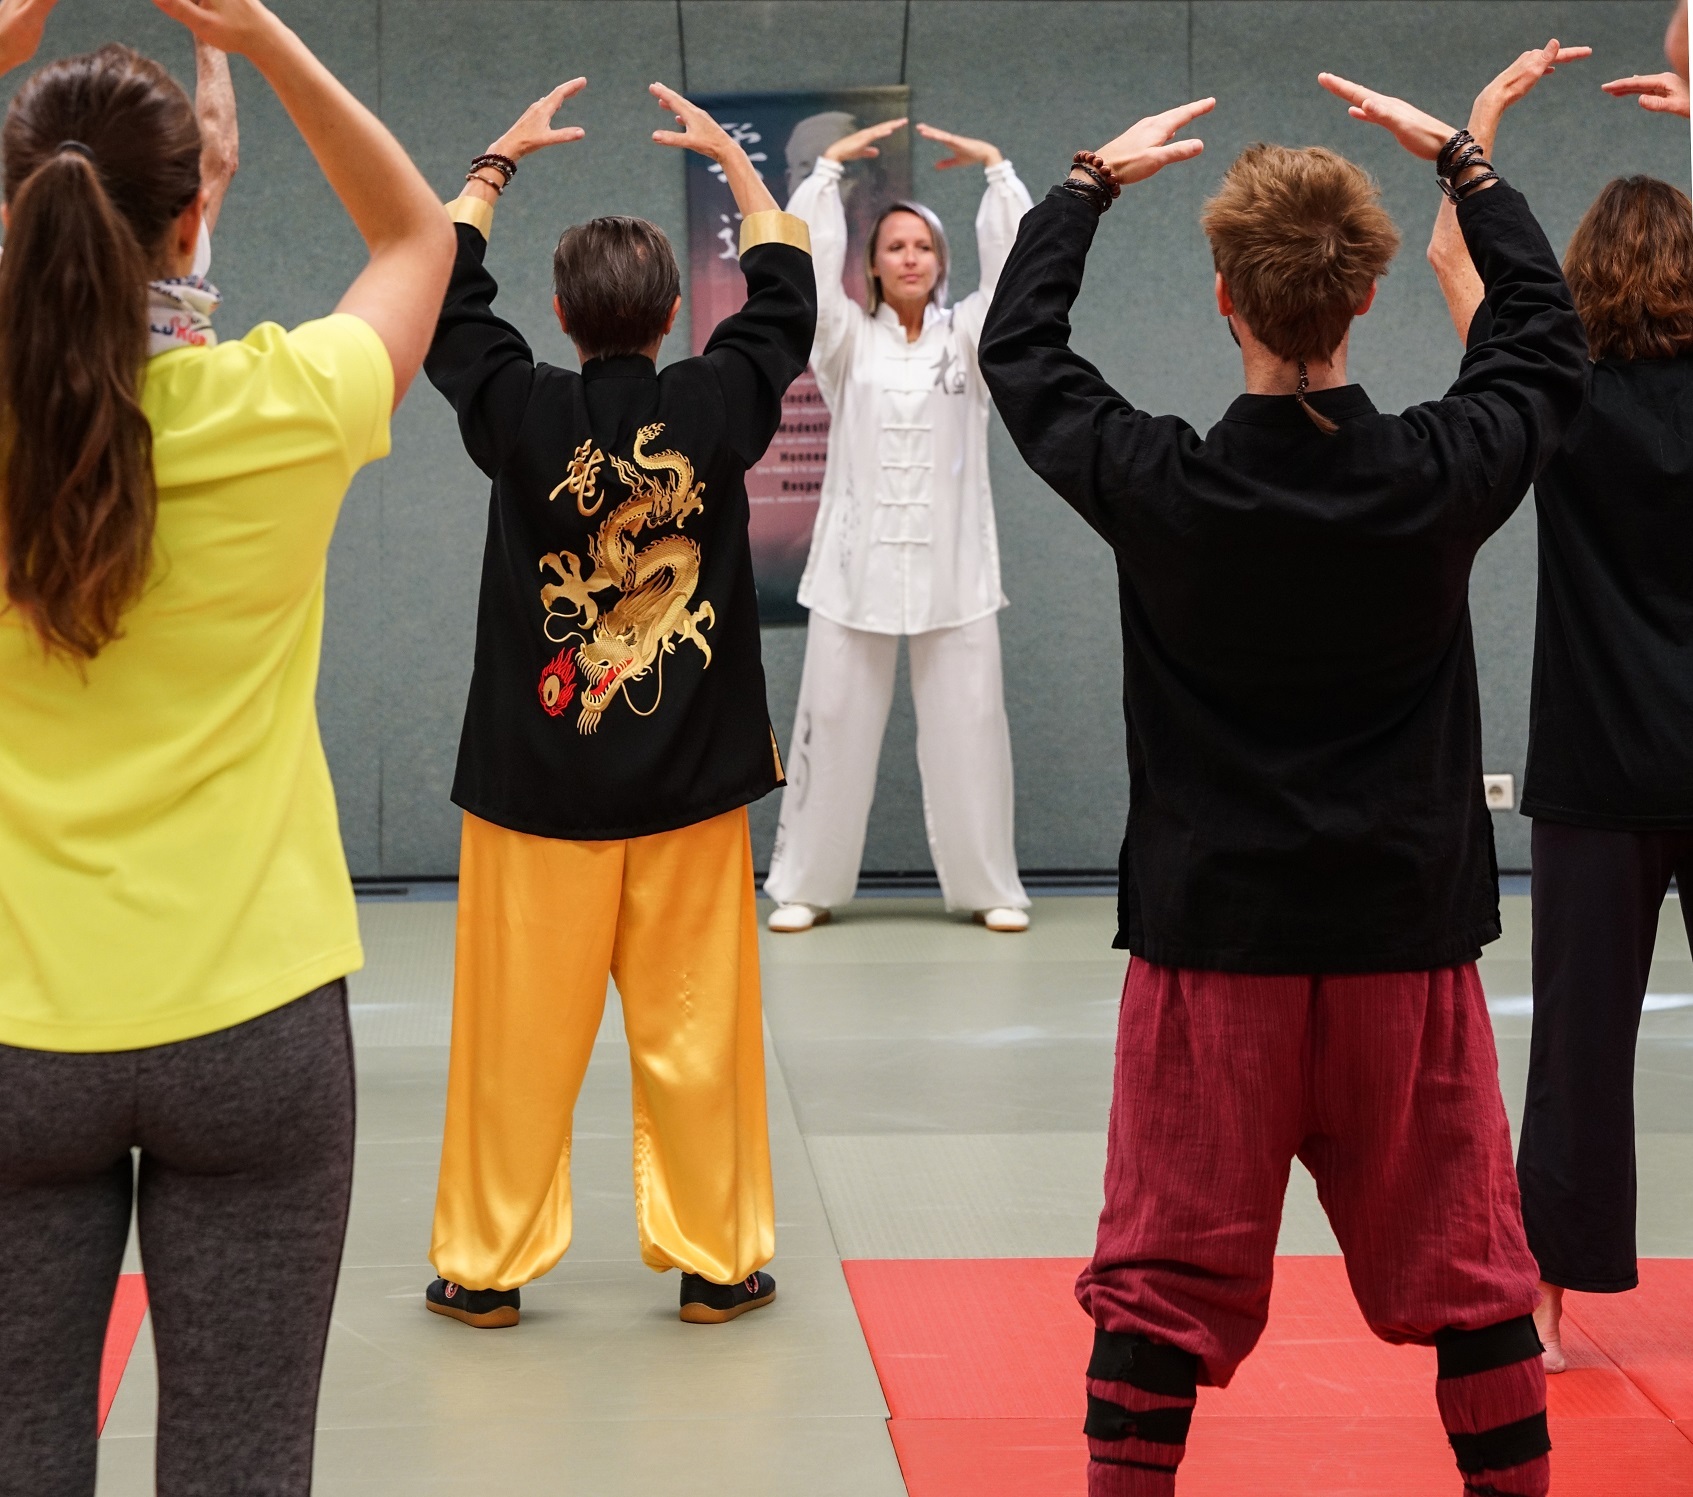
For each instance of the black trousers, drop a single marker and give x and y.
(246, 1162)
(1597, 899)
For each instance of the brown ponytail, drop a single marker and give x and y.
(102, 156)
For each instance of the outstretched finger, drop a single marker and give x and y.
(1179, 150)
(1185, 114)
(1639, 84)
(672, 138)
(1572, 54)
(669, 98)
(885, 128)
(1343, 88)
(565, 136)
(566, 90)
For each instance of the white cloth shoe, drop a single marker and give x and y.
(790, 919)
(1005, 919)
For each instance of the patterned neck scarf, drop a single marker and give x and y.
(179, 313)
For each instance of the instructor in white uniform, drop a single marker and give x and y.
(904, 545)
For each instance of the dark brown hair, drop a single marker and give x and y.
(102, 155)
(617, 280)
(1630, 270)
(1299, 237)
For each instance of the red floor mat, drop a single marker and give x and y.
(1647, 1332)
(1232, 1457)
(981, 1362)
(129, 1307)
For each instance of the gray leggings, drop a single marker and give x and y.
(246, 1164)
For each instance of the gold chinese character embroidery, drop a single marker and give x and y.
(582, 477)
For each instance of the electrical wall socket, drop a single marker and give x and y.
(1500, 790)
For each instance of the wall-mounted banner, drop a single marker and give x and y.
(784, 134)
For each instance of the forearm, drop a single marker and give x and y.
(751, 195)
(1526, 376)
(385, 195)
(220, 135)
(1004, 202)
(1455, 271)
(1056, 406)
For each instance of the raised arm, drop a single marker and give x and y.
(817, 200)
(1447, 252)
(1071, 426)
(1004, 201)
(399, 291)
(1521, 384)
(220, 135)
(21, 25)
(760, 350)
(480, 362)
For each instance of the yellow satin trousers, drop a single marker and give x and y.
(542, 922)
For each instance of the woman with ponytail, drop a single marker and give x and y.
(176, 919)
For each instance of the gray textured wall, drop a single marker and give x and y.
(1041, 80)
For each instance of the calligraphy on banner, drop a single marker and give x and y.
(783, 135)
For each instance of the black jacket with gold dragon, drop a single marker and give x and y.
(618, 688)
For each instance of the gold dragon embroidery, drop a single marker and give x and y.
(628, 641)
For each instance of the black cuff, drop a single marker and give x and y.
(1502, 1448)
(1465, 1353)
(1142, 1363)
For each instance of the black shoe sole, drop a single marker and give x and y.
(698, 1314)
(488, 1320)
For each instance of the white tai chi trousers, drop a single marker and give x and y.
(963, 752)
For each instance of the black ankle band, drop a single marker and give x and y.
(1112, 1422)
(1148, 1365)
(1502, 1448)
(1465, 1353)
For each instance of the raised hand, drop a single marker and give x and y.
(1421, 134)
(1662, 93)
(534, 129)
(1515, 84)
(700, 132)
(21, 24)
(861, 144)
(966, 151)
(239, 26)
(1148, 146)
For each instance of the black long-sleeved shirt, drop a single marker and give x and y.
(618, 688)
(1610, 741)
(1304, 730)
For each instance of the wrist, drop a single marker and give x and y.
(269, 44)
(994, 157)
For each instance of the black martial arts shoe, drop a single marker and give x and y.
(705, 1303)
(486, 1309)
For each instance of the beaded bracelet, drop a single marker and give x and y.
(475, 175)
(1094, 165)
(504, 165)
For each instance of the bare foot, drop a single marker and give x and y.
(1548, 1320)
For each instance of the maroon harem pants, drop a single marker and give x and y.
(1386, 1086)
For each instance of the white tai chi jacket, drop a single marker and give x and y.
(904, 540)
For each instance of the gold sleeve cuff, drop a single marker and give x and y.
(475, 212)
(774, 227)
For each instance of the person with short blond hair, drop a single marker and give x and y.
(1308, 874)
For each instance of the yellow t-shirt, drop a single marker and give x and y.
(170, 855)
